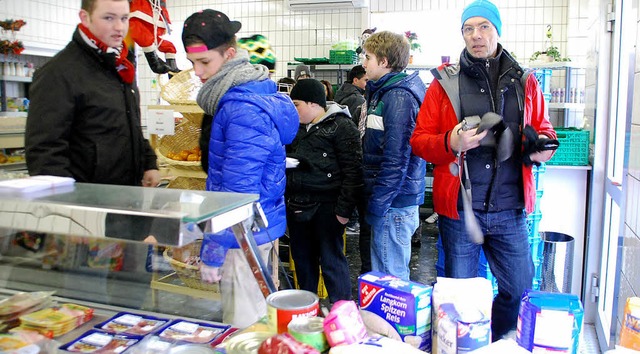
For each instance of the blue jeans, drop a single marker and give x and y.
(506, 247)
(391, 241)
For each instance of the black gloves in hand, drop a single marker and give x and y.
(533, 143)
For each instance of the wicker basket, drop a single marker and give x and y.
(182, 88)
(189, 274)
(185, 137)
(195, 118)
(190, 183)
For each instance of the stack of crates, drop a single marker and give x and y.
(573, 149)
(343, 57)
(535, 241)
(544, 78)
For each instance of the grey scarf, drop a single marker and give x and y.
(234, 72)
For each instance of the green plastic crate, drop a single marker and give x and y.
(574, 147)
(343, 57)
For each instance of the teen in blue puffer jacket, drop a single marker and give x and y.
(251, 124)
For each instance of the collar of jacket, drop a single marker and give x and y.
(106, 60)
(476, 68)
(386, 81)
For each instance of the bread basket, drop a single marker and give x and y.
(185, 137)
(181, 89)
(189, 274)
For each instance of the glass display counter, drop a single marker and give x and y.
(87, 242)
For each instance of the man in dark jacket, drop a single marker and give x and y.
(394, 176)
(323, 189)
(351, 93)
(84, 117)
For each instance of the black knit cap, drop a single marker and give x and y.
(213, 27)
(309, 90)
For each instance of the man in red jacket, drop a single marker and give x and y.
(493, 164)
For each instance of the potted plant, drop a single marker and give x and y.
(412, 37)
(551, 53)
(413, 40)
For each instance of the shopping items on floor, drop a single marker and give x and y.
(630, 332)
(285, 343)
(396, 308)
(285, 305)
(344, 325)
(309, 330)
(376, 345)
(462, 329)
(456, 292)
(549, 322)
(502, 346)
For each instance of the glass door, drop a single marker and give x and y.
(621, 97)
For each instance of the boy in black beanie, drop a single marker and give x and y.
(323, 190)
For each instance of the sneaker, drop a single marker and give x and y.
(431, 219)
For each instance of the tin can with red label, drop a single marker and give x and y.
(285, 305)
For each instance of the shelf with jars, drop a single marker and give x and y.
(563, 85)
(15, 72)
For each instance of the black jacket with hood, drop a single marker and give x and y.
(351, 96)
(330, 168)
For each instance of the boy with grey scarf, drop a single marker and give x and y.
(250, 125)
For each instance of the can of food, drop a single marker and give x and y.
(191, 349)
(285, 305)
(246, 343)
(309, 330)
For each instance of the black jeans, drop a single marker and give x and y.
(364, 242)
(319, 243)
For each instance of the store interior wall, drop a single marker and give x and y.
(630, 269)
(310, 33)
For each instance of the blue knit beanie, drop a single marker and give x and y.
(486, 9)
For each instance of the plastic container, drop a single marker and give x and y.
(544, 78)
(574, 147)
(343, 57)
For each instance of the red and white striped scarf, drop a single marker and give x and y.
(123, 66)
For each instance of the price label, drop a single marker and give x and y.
(160, 121)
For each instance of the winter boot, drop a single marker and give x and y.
(173, 67)
(156, 64)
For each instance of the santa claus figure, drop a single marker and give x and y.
(149, 21)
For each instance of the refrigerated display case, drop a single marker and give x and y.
(87, 242)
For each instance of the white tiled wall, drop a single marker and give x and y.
(310, 33)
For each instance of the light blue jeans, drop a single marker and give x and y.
(391, 241)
